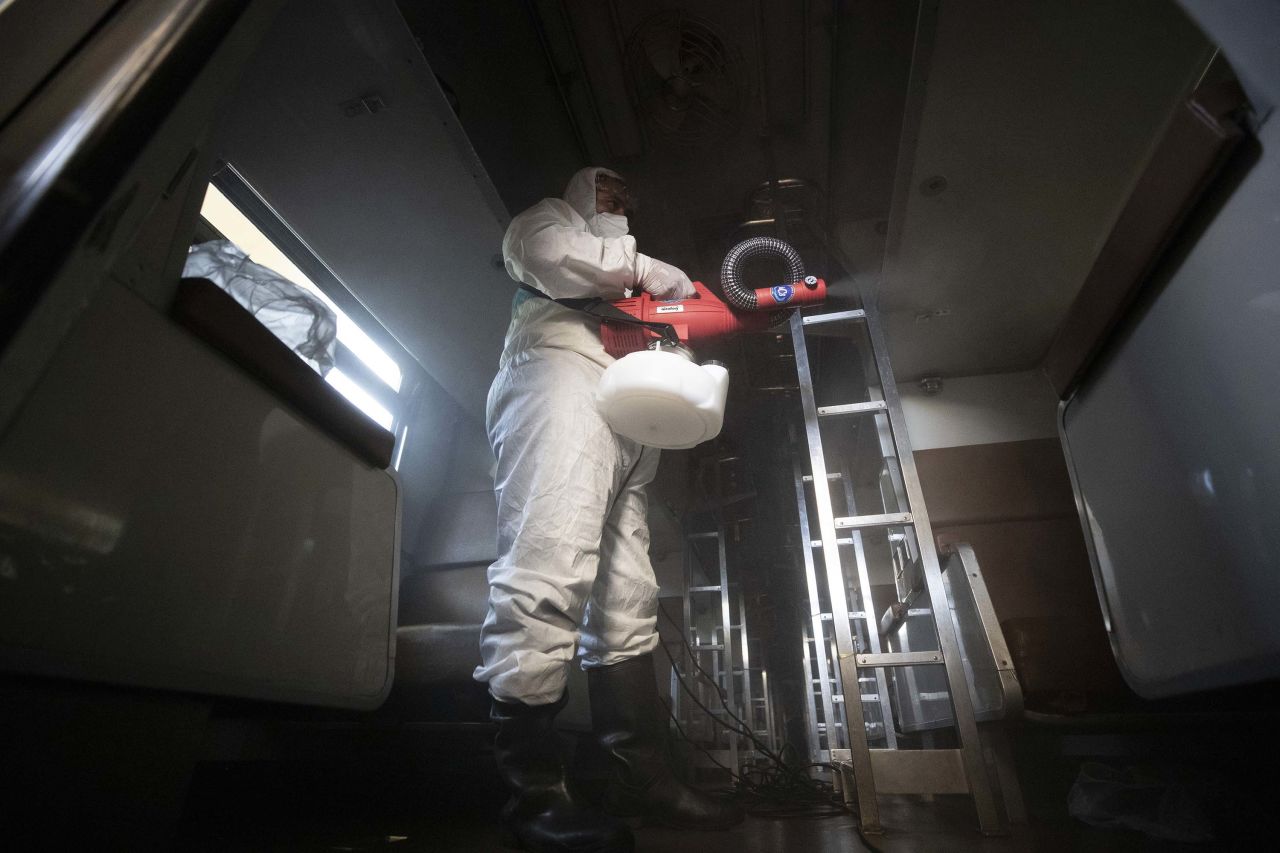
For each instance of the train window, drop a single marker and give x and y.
(364, 371)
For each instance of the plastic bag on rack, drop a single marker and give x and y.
(292, 314)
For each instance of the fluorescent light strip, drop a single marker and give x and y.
(404, 438)
(361, 398)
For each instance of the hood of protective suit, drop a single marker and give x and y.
(581, 196)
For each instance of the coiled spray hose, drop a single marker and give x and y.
(737, 293)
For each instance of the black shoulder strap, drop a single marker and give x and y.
(602, 310)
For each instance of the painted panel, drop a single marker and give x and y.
(166, 522)
(1175, 444)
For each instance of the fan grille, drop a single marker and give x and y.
(687, 82)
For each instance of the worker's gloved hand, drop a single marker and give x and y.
(661, 280)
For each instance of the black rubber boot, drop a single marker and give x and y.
(542, 815)
(631, 723)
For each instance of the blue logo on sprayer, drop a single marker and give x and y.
(782, 293)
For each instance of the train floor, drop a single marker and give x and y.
(446, 797)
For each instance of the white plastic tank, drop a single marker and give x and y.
(661, 398)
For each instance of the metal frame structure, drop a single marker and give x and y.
(867, 772)
(717, 646)
(989, 665)
(713, 653)
(724, 653)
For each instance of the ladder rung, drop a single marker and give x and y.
(852, 409)
(853, 614)
(919, 771)
(711, 534)
(714, 588)
(913, 771)
(710, 647)
(866, 697)
(835, 475)
(835, 317)
(898, 659)
(817, 543)
(861, 522)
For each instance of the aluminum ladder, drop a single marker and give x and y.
(864, 771)
(715, 649)
(723, 650)
(826, 730)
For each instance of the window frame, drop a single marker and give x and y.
(227, 180)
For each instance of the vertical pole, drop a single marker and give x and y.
(691, 636)
(725, 620)
(815, 745)
(769, 722)
(748, 707)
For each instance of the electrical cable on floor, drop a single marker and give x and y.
(742, 728)
(813, 791)
(778, 791)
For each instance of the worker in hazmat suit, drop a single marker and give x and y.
(573, 537)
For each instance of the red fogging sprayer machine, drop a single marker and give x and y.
(656, 393)
(704, 317)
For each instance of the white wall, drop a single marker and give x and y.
(981, 410)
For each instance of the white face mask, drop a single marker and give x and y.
(608, 225)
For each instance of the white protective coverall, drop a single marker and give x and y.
(573, 536)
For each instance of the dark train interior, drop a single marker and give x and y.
(242, 588)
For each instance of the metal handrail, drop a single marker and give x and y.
(71, 145)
